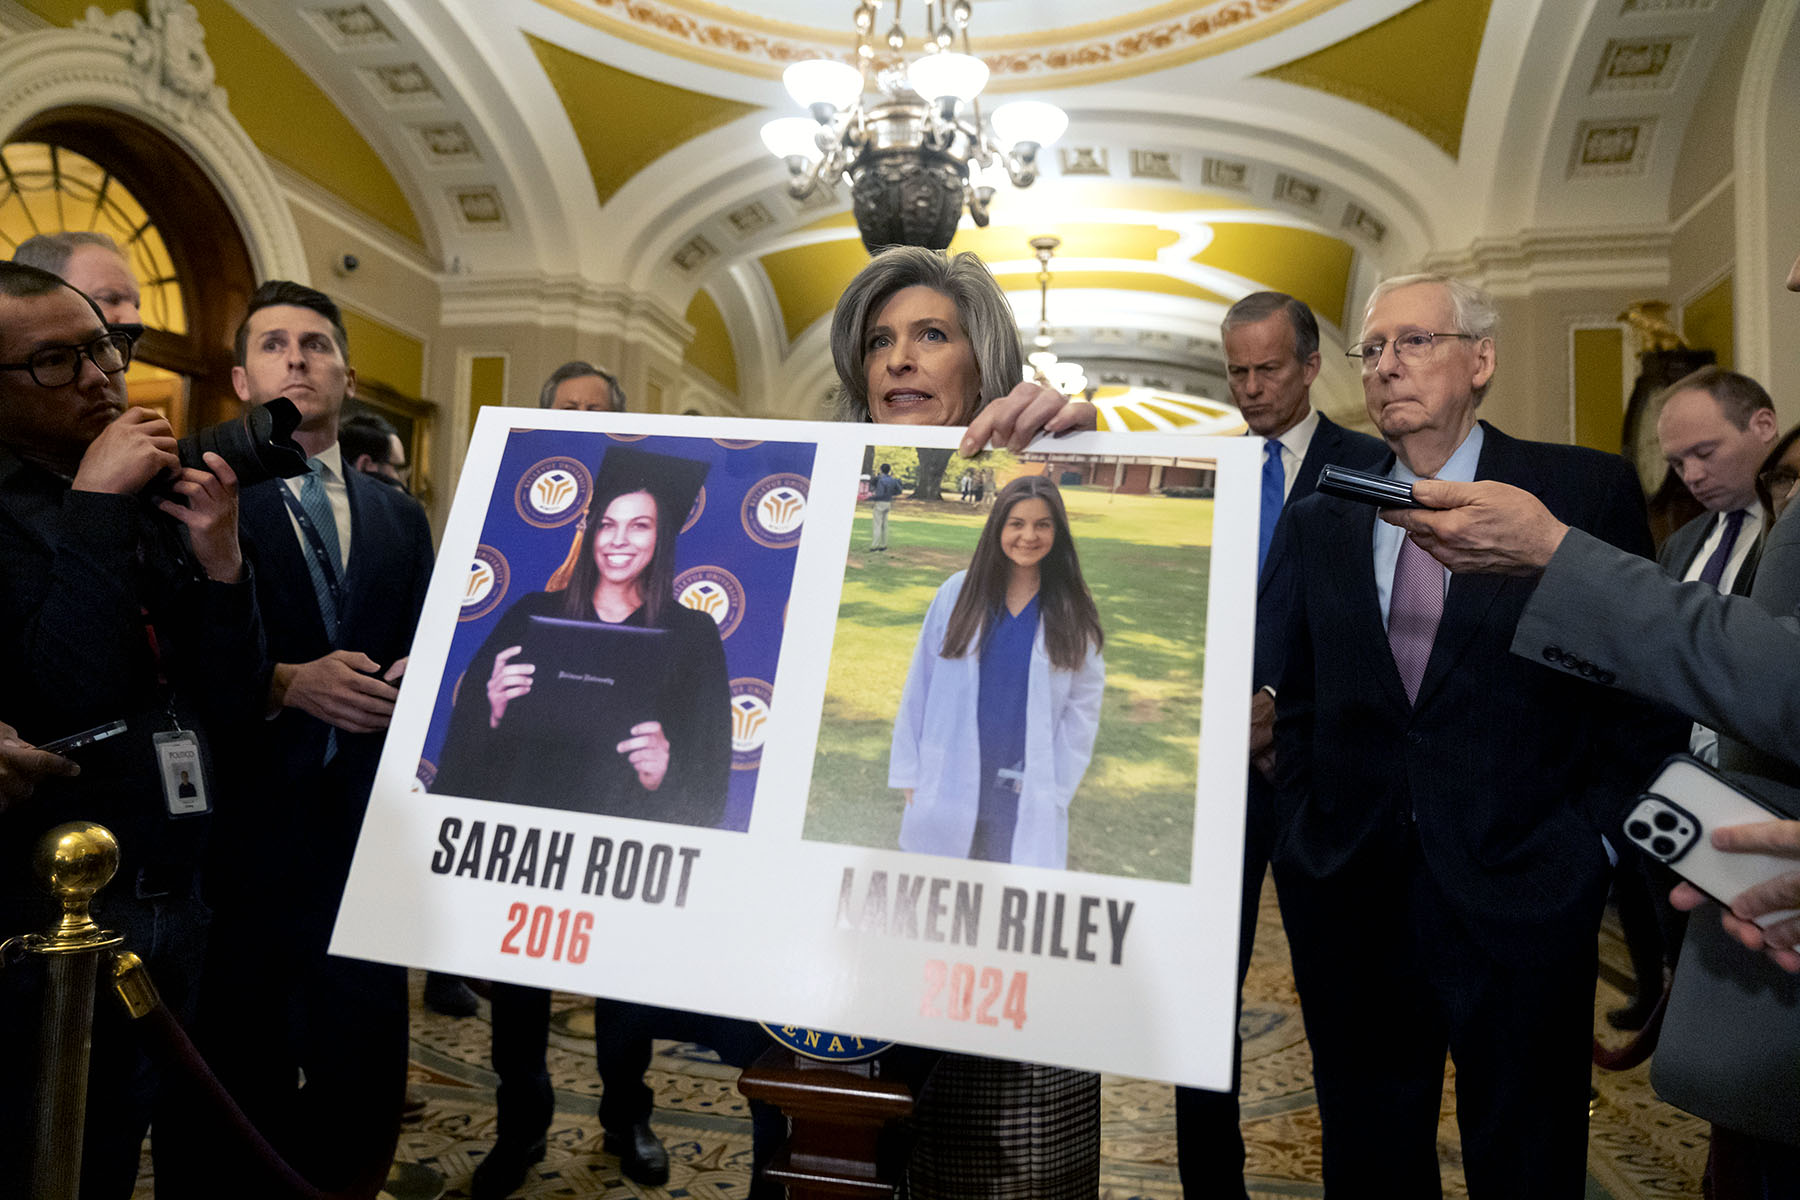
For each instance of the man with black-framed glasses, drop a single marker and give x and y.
(1440, 801)
(116, 605)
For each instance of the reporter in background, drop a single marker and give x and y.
(113, 606)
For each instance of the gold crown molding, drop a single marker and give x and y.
(1165, 36)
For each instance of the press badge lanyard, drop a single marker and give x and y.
(316, 545)
(180, 764)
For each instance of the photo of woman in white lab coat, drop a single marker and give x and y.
(1002, 700)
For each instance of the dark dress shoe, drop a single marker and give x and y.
(499, 1175)
(1633, 1016)
(640, 1153)
(448, 995)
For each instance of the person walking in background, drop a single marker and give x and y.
(886, 488)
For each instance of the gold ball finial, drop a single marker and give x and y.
(74, 861)
(77, 859)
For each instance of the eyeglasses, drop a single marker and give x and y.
(57, 366)
(1779, 480)
(1411, 348)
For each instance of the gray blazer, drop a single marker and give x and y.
(1730, 662)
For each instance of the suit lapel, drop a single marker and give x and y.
(264, 517)
(1470, 596)
(1350, 555)
(1323, 448)
(1746, 576)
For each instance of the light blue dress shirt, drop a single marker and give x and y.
(1460, 469)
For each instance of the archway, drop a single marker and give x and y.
(187, 230)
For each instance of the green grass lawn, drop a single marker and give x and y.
(1146, 558)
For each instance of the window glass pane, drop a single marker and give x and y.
(46, 189)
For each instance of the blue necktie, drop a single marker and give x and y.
(1274, 484)
(318, 510)
(1714, 571)
(317, 507)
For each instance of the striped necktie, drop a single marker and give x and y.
(318, 510)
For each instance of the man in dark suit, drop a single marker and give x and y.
(115, 606)
(313, 1046)
(1440, 802)
(1271, 359)
(1715, 430)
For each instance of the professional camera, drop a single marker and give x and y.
(258, 445)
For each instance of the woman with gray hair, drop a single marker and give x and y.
(919, 338)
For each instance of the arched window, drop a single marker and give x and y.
(98, 170)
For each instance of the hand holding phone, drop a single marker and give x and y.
(1673, 822)
(1365, 487)
(86, 737)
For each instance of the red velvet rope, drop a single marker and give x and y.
(166, 1041)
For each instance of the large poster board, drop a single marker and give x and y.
(708, 809)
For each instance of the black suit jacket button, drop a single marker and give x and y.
(1415, 739)
(1553, 654)
(1605, 678)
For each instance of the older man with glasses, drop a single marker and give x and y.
(113, 607)
(1440, 802)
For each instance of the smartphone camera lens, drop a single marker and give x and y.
(1665, 821)
(1639, 830)
(1663, 846)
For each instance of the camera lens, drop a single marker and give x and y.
(1665, 821)
(1639, 830)
(1663, 846)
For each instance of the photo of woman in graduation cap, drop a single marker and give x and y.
(604, 694)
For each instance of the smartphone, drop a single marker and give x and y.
(1673, 823)
(86, 737)
(1347, 483)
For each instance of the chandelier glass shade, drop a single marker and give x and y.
(907, 134)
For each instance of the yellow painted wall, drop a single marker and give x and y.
(1707, 321)
(288, 116)
(808, 279)
(710, 351)
(624, 122)
(1599, 387)
(1308, 265)
(487, 383)
(1416, 67)
(382, 354)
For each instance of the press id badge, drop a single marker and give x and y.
(183, 777)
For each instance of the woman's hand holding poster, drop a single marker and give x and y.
(674, 731)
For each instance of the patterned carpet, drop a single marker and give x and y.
(1639, 1147)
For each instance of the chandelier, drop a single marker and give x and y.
(1066, 377)
(917, 151)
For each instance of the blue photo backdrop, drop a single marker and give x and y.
(734, 560)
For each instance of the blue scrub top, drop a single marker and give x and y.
(1000, 721)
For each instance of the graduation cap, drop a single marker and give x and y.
(673, 482)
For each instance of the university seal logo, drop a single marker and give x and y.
(775, 510)
(553, 492)
(486, 585)
(715, 592)
(823, 1044)
(749, 722)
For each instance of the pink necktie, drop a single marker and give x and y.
(1415, 606)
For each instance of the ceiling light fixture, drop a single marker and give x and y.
(1066, 377)
(920, 151)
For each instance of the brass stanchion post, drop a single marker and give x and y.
(74, 861)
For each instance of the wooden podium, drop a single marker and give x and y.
(842, 1143)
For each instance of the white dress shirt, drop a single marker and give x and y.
(337, 493)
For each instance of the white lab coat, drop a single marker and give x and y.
(937, 744)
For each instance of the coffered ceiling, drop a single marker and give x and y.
(1215, 146)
